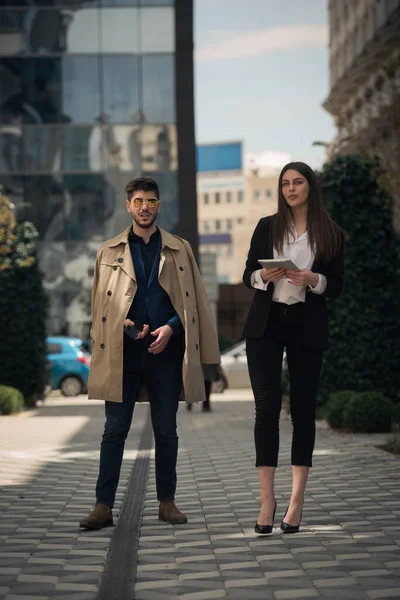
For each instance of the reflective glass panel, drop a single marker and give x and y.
(169, 214)
(119, 30)
(159, 88)
(42, 202)
(10, 149)
(158, 29)
(83, 148)
(81, 95)
(143, 148)
(156, 2)
(42, 149)
(82, 31)
(121, 93)
(30, 90)
(87, 209)
(32, 31)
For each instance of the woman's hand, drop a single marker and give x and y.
(273, 274)
(303, 277)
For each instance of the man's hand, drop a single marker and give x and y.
(273, 274)
(142, 334)
(302, 278)
(162, 335)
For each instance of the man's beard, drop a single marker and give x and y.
(145, 225)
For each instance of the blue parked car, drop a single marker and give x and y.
(69, 365)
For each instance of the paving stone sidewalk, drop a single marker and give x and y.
(348, 546)
(48, 470)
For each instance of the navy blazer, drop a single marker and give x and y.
(315, 310)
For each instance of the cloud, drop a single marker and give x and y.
(263, 41)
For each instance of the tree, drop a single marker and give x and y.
(23, 308)
(364, 351)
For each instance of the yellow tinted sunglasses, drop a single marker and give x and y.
(150, 202)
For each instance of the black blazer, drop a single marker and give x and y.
(315, 310)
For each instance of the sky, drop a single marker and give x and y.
(261, 75)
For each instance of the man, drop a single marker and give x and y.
(152, 328)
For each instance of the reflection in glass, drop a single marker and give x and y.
(89, 206)
(30, 90)
(10, 149)
(82, 32)
(159, 88)
(158, 2)
(120, 30)
(158, 30)
(169, 213)
(143, 148)
(83, 149)
(33, 31)
(81, 96)
(42, 149)
(42, 202)
(121, 94)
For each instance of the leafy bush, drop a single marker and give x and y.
(396, 418)
(23, 308)
(368, 412)
(364, 323)
(11, 400)
(336, 406)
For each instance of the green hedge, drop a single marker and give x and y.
(336, 407)
(368, 412)
(364, 350)
(11, 400)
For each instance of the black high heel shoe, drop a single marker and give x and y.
(287, 528)
(265, 529)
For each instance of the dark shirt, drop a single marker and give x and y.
(149, 255)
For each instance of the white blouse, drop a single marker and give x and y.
(299, 251)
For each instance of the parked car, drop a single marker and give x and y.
(69, 365)
(235, 372)
(234, 366)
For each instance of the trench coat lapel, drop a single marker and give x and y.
(123, 256)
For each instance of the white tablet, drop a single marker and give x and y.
(278, 263)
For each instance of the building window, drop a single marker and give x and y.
(217, 198)
(268, 193)
(240, 196)
(218, 225)
(229, 250)
(206, 225)
(206, 198)
(229, 224)
(240, 220)
(229, 197)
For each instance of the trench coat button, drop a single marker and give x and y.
(109, 293)
(120, 260)
(102, 346)
(115, 268)
(197, 346)
(181, 268)
(104, 319)
(194, 320)
(187, 294)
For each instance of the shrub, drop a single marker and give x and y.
(364, 323)
(11, 400)
(23, 308)
(396, 418)
(368, 412)
(336, 407)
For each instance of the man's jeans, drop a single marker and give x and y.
(162, 374)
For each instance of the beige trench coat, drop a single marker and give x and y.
(114, 287)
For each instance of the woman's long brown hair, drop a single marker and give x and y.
(324, 236)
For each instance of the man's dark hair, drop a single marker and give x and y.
(144, 184)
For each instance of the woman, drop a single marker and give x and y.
(289, 311)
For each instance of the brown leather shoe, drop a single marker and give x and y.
(169, 513)
(101, 516)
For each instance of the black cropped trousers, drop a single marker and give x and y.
(285, 329)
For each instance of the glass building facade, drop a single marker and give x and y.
(93, 94)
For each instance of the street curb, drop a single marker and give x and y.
(118, 579)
